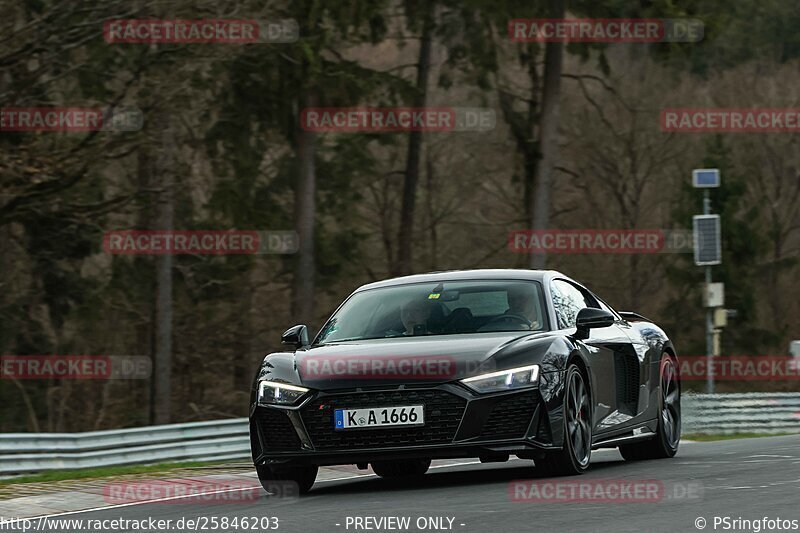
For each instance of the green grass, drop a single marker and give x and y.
(109, 471)
(701, 437)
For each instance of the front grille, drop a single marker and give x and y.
(277, 431)
(443, 412)
(510, 416)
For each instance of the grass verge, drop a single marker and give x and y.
(109, 471)
(702, 437)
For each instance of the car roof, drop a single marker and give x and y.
(463, 275)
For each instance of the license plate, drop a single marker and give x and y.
(375, 417)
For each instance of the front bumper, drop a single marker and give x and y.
(458, 423)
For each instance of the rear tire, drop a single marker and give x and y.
(668, 427)
(274, 479)
(574, 457)
(401, 468)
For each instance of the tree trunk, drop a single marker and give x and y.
(433, 237)
(165, 214)
(406, 231)
(304, 215)
(548, 133)
(634, 300)
(526, 141)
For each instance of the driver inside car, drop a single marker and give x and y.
(414, 314)
(522, 303)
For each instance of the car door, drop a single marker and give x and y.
(614, 366)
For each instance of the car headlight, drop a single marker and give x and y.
(511, 379)
(274, 393)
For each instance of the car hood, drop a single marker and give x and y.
(403, 360)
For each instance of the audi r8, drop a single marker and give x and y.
(476, 364)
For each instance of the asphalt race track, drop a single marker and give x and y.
(747, 478)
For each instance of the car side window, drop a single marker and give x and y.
(568, 300)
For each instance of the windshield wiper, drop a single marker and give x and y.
(345, 340)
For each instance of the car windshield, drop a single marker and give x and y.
(439, 308)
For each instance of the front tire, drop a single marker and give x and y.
(574, 457)
(402, 468)
(668, 428)
(275, 478)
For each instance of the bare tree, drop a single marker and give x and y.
(404, 263)
(304, 217)
(548, 133)
(165, 220)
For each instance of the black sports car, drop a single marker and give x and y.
(480, 363)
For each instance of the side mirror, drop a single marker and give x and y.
(297, 336)
(590, 318)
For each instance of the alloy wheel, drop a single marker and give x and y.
(670, 403)
(578, 419)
